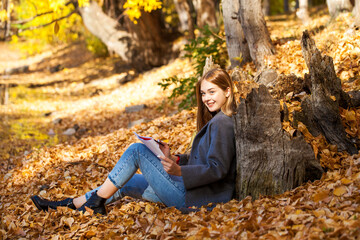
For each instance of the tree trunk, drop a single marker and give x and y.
(184, 12)
(269, 162)
(266, 7)
(337, 6)
(143, 47)
(206, 13)
(302, 13)
(4, 94)
(237, 45)
(104, 27)
(254, 27)
(152, 45)
(8, 21)
(320, 111)
(286, 6)
(356, 13)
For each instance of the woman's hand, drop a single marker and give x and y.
(170, 166)
(165, 148)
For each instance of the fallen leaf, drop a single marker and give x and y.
(320, 195)
(339, 191)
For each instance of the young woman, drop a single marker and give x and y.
(205, 176)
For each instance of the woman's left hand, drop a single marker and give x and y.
(170, 166)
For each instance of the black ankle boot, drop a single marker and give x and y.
(95, 203)
(44, 205)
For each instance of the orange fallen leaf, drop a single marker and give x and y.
(149, 208)
(319, 213)
(320, 195)
(346, 181)
(90, 234)
(339, 191)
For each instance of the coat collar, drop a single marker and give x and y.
(215, 116)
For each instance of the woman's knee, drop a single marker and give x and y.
(136, 146)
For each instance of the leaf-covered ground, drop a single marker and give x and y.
(36, 158)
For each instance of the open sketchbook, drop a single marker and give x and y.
(151, 144)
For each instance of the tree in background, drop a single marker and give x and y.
(5, 19)
(136, 31)
(185, 10)
(337, 6)
(254, 26)
(286, 6)
(266, 7)
(140, 39)
(206, 13)
(237, 45)
(356, 13)
(302, 13)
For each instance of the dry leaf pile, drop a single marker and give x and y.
(325, 209)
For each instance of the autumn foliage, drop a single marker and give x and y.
(68, 167)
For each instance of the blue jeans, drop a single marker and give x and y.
(154, 184)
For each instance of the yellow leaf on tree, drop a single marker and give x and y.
(339, 191)
(333, 98)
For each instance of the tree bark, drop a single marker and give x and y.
(144, 46)
(337, 6)
(4, 94)
(320, 111)
(206, 13)
(269, 162)
(356, 13)
(286, 6)
(184, 12)
(266, 7)
(254, 27)
(302, 13)
(104, 27)
(237, 45)
(152, 46)
(8, 21)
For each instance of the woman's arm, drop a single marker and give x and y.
(213, 164)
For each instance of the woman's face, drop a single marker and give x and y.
(213, 96)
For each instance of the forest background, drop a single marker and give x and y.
(70, 104)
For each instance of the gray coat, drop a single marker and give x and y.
(209, 171)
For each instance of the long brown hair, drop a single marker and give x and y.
(222, 79)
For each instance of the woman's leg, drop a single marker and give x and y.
(163, 187)
(136, 187)
(105, 191)
(169, 191)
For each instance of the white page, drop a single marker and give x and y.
(151, 144)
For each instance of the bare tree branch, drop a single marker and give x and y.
(37, 15)
(47, 24)
(31, 18)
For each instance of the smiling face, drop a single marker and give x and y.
(213, 96)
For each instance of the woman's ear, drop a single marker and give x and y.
(227, 92)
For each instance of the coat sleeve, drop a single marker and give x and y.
(220, 154)
(183, 158)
